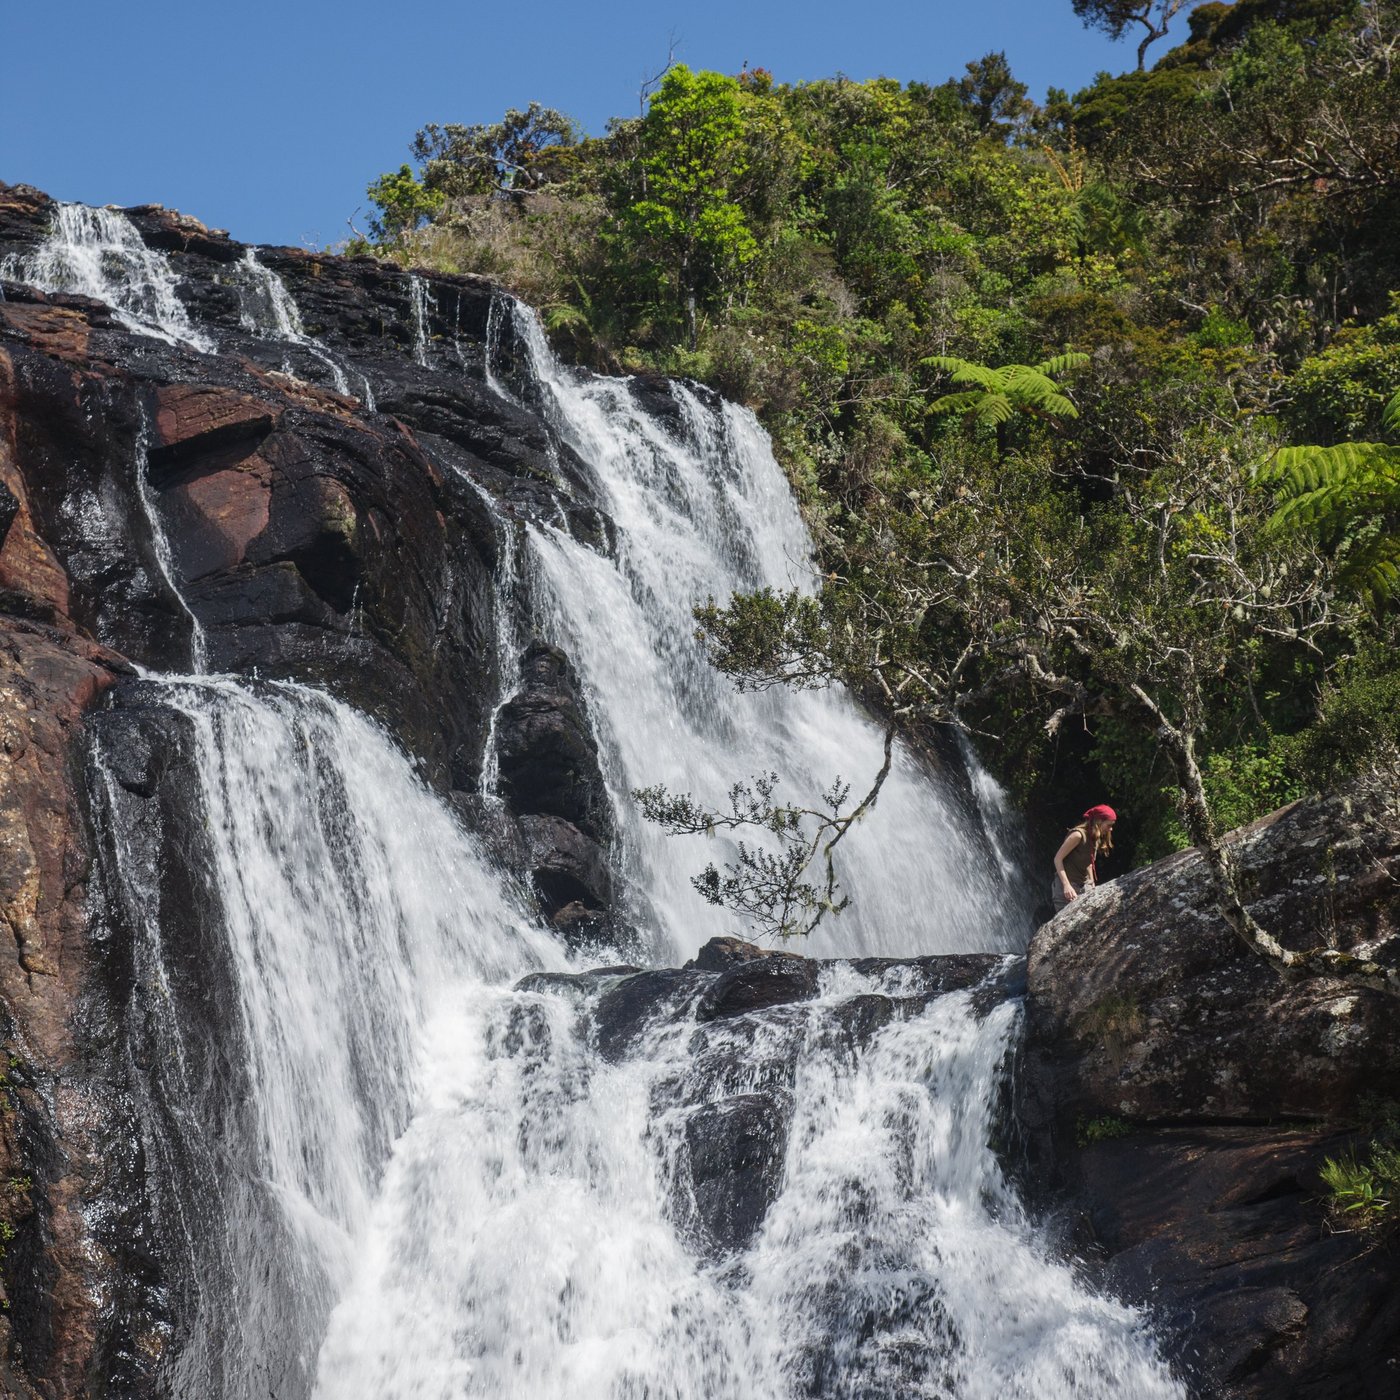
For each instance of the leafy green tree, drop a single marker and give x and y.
(693, 156)
(991, 93)
(512, 155)
(1347, 497)
(403, 203)
(995, 396)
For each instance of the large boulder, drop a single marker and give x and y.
(1184, 1093)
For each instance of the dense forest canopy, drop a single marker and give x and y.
(1086, 401)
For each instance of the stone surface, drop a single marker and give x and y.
(720, 954)
(758, 983)
(314, 539)
(1147, 1016)
(53, 1111)
(734, 1155)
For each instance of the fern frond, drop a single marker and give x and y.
(994, 409)
(966, 372)
(966, 402)
(1390, 416)
(1060, 364)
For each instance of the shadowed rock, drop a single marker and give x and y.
(734, 1155)
(1147, 1017)
(758, 983)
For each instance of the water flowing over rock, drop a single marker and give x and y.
(377, 614)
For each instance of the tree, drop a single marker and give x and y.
(1115, 17)
(992, 95)
(404, 205)
(1347, 498)
(692, 158)
(996, 396)
(979, 582)
(511, 155)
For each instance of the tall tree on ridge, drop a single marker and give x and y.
(1115, 17)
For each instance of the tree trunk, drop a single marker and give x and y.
(1200, 826)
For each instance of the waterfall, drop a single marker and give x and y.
(383, 1172)
(99, 253)
(353, 913)
(703, 510)
(269, 309)
(420, 299)
(160, 545)
(526, 1240)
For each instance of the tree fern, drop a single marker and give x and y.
(1346, 497)
(996, 395)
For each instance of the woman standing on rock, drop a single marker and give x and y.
(1075, 860)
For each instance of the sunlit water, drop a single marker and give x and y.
(389, 1176)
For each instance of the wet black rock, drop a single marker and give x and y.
(547, 753)
(733, 1156)
(760, 983)
(567, 867)
(720, 954)
(9, 508)
(622, 1015)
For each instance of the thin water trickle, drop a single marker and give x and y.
(268, 308)
(160, 544)
(421, 300)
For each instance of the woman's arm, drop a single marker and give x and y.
(1070, 842)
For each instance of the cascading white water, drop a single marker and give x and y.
(268, 308)
(98, 253)
(420, 298)
(356, 913)
(398, 1179)
(703, 510)
(526, 1241)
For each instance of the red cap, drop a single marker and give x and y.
(1101, 813)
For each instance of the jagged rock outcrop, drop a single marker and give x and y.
(333, 511)
(551, 780)
(1186, 1095)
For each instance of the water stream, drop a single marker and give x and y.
(393, 1177)
(99, 253)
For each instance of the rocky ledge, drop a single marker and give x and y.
(1181, 1096)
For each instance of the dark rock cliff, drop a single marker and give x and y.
(332, 511)
(1185, 1096)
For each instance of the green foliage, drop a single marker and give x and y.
(693, 155)
(517, 154)
(1219, 232)
(404, 205)
(1341, 393)
(1347, 497)
(1091, 1130)
(1362, 1192)
(995, 396)
(1357, 728)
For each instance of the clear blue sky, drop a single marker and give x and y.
(269, 119)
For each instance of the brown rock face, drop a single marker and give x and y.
(51, 1149)
(1166, 1072)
